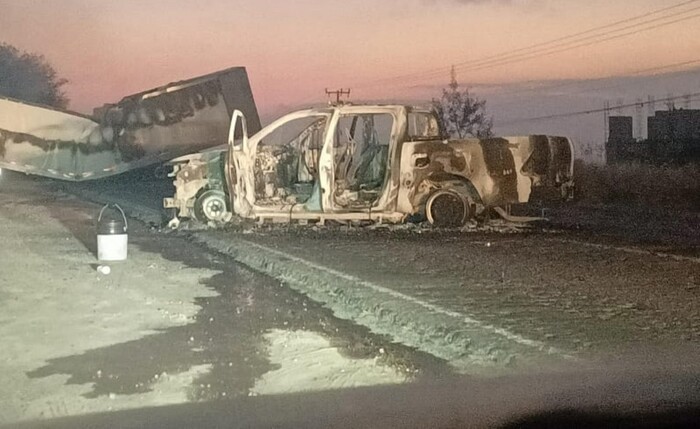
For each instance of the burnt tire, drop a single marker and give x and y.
(211, 206)
(445, 209)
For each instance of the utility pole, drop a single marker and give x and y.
(651, 111)
(639, 119)
(686, 101)
(670, 104)
(606, 120)
(338, 94)
(618, 106)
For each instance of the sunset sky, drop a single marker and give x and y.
(295, 49)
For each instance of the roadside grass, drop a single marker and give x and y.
(671, 187)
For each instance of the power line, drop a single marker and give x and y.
(604, 109)
(580, 45)
(562, 47)
(632, 73)
(581, 33)
(534, 55)
(598, 88)
(509, 54)
(575, 83)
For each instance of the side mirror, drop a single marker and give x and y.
(237, 117)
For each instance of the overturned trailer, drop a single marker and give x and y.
(365, 163)
(140, 130)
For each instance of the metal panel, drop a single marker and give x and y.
(142, 129)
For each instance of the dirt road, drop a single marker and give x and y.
(594, 280)
(199, 314)
(521, 291)
(174, 323)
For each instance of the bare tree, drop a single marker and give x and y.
(29, 77)
(460, 114)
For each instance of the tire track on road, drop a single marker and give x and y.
(466, 342)
(456, 336)
(626, 249)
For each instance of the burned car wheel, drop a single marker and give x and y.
(446, 209)
(211, 206)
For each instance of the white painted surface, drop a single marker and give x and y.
(112, 247)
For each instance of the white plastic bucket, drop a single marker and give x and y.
(112, 237)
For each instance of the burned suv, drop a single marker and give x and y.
(365, 164)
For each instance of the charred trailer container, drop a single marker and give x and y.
(143, 129)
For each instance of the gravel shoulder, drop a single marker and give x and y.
(541, 287)
(175, 323)
(656, 229)
(591, 281)
(54, 304)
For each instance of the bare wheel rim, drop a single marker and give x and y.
(446, 209)
(211, 206)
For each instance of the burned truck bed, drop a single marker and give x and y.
(140, 130)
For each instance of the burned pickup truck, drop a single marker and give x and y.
(354, 164)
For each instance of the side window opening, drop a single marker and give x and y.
(286, 161)
(423, 126)
(361, 150)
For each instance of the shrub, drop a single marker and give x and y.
(639, 184)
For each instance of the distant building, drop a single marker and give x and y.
(669, 125)
(673, 136)
(619, 138)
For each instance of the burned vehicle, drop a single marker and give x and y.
(364, 163)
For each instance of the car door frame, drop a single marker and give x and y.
(387, 200)
(245, 190)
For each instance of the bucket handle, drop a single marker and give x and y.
(126, 225)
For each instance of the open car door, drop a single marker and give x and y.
(235, 173)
